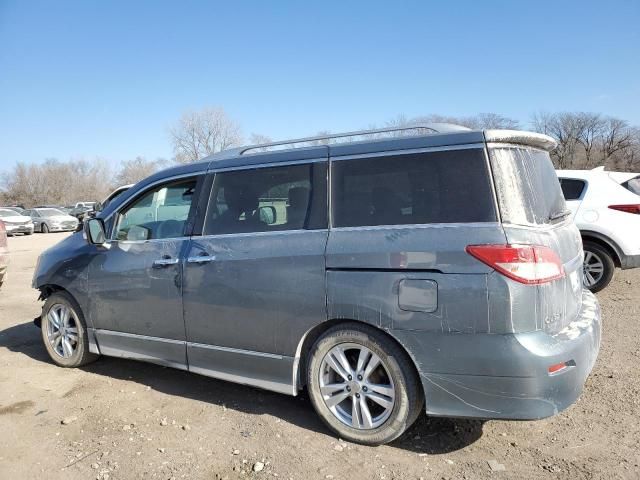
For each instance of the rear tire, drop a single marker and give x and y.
(385, 400)
(598, 267)
(64, 331)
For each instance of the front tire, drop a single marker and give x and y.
(44, 228)
(363, 385)
(598, 266)
(64, 331)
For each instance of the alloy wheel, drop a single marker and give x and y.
(356, 386)
(62, 330)
(593, 268)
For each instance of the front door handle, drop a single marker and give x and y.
(202, 258)
(165, 262)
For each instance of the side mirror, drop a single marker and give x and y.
(268, 214)
(94, 230)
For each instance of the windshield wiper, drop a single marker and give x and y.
(559, 215)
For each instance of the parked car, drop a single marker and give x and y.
(606, 209)
(112, 196)
(14, 208)
(4, 253)
(16, 222)
(88, 205)
(79, 212)
(387, 283)
(85, 212)
(52, 220)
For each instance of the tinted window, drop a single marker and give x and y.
(633, 185)
(291, 197)
(159, 213)
(571, 189)
(528, 189)
(436, 187)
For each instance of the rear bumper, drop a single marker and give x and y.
(13, 229)
(62, 228)
(506, 376)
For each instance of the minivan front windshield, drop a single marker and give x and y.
(527, 186)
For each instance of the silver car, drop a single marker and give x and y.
(16, 222)
(436, 273)
(48, 220)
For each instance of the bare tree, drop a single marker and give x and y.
(132, 171)
(57, 183)
(480, 121)
(617, 137)
(565, 129)
(201, 133)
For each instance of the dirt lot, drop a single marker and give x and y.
(131, 420)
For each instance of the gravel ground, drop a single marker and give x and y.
(119, 419)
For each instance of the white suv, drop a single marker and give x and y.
(606, 209)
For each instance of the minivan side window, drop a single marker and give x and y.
(571, 188)
(161, 212)
(418, 188)
(267, 199)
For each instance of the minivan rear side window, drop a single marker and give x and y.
(450, 186)
(527, 186)
(571, 188)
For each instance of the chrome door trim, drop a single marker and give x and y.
(416, 225)
(390, 153)
(256, 234)
(137, 336)
(266, 165)
(235, 350)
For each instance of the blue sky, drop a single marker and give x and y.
(108, 78)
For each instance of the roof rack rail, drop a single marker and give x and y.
(433, 127)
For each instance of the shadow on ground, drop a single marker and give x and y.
(427, 435)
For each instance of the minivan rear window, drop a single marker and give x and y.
(527, 186)
(450, 186)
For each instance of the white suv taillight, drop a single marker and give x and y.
(632, 208)
(529, 264)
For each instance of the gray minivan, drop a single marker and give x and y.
(388, 274)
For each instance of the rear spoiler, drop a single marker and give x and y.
(531, 139)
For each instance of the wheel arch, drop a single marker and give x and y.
(606, 243)
(310, 337)
(48, 289)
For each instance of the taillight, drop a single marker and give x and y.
(631, 208)
(529, 264)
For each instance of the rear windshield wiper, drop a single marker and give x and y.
(559, 215)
